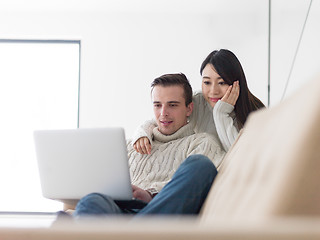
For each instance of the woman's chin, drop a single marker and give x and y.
(211, 103)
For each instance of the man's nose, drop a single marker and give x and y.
(164, 111)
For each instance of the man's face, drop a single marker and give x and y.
(169, 108)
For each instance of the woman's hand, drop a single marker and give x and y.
(142, 145)
(232, 93)
(141, 194)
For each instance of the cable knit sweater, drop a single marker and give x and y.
(219, 121)
(154, 171)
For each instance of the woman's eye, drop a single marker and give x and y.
(206, 83)
(222, 83)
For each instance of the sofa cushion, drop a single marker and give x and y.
(273, 169)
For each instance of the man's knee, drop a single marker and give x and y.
(200, 163)
(96, 204)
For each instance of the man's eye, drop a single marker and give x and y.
(157, 105)
(173, 105)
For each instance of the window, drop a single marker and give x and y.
(39, 89)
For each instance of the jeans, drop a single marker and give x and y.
(184, 194)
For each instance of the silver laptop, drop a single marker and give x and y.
(75, 162)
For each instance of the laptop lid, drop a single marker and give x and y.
(75, 162)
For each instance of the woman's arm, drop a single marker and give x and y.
(225, 118)
(225, 123)
(219, 121)
(142, 138)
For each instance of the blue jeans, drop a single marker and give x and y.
(184, 194)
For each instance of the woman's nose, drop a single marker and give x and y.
(214, 89)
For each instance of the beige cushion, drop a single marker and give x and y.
(273, 169)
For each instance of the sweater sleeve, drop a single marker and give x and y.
(225, 124)
(145, 130)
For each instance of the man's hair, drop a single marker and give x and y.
(175, 79)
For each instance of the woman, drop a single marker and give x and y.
(221, 108)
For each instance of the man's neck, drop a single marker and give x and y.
(184, 131)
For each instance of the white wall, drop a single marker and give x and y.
(126, 44)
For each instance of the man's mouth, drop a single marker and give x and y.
(165, 123)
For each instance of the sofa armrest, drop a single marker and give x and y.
(170, 229)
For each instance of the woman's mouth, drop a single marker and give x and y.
(214, 99)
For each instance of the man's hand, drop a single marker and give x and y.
(142, 145)
(141, 194)
(232, 94)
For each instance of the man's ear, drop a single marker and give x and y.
(190, 109)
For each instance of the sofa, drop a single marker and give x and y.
(268, 186)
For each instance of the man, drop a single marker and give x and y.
(174, 178)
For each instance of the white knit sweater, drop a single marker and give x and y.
(219, 121)
(168, 152)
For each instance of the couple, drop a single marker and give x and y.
(176, 174)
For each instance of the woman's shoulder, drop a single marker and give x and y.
(197, 94)
(198, 97)
(201, 103)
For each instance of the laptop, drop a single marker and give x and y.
(75, 162)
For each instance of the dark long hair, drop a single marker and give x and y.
(229, 68)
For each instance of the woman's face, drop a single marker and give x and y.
(213, 86)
